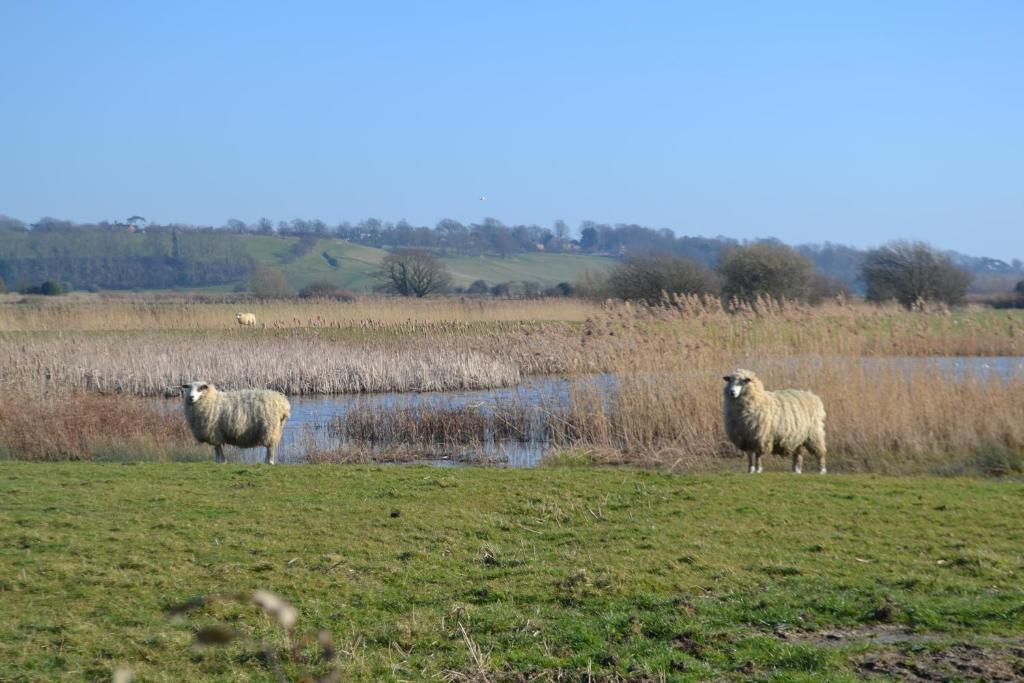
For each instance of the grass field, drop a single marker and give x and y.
(486, 574)
(356, 264)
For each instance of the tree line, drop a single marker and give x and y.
(133, 254)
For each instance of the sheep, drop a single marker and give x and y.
(246, 319)
(783, 422)
(246, 419)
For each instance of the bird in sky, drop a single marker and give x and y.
(482, 198)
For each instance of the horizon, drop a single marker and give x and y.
(846, 124)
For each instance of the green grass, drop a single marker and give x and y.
(548, 269)
(357, 263)
(550, 572)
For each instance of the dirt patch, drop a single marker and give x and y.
(908, 655)
(884, 634)
(957, 662)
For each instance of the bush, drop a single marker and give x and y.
(910, 272)
(321, 289)
(561, 289)
(1020, 287)
(766, 269)
(48, 288)
(3, 286)
(269, 283)
(478, 288)
(644, 278)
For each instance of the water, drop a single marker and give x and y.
(311, 415)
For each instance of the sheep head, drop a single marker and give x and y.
(741, 382)
(194, 391)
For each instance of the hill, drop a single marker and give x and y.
(352, 266)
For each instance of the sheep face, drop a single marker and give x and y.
(734, 385)
(195, 391)
(740, 382)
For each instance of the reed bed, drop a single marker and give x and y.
(881, 418)
(321, 356)
(887, 412)
(91, 313)
(90, 427)
(153, 365)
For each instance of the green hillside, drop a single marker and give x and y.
(356, 264)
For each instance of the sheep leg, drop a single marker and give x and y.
(760, 468)
(798, 461)
(821, 463)
(750, 463)
(220, 453)
(271, 456)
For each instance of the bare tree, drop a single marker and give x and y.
(913, 271)
(414, 272)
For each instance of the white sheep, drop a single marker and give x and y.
(248, 418)
(783, 422)
(246, 319)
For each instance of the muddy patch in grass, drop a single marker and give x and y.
(908, 655)
(956, 662)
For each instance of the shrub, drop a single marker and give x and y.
(321, 289)
(269, 283)
(913, 271)
(48, 288)
(766, 269)
(645, 278)
(478, 287)
(561, 289)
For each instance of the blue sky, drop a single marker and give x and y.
(851, 122)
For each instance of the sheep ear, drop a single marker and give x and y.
(728, 378)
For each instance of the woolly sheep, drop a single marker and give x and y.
(246, 319)
(784, 422)
(246, 419)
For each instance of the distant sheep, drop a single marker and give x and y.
(783, 422)
(246, 419)
(246, 319)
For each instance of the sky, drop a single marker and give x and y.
(851, 122)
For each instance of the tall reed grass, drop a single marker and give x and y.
(85, 313)
(84, 426)
(663, 407)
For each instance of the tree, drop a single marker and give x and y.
(766, 269)
(644, 278)
(269, 283)
(1020, 287)
(913, 271)
(414, 272)
(3, 286)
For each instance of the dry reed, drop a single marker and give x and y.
(663, 407)
(88, 427)
(85, 313)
